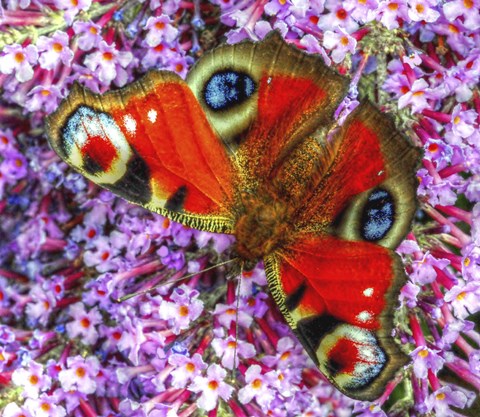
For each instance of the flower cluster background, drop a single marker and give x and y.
(69, 250)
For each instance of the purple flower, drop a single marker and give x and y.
(468, 9)
(89, 34)
(211, 387)
(184, 308)
(32, 380)
(464, 299)
(54, 50)
(80, 374)
(83, 323)
(186, 369)
(44, 98)
(258, 387)
(230, 350)
(423, 10)
(13, 410)
(19, 60)
(416, 97)
(160, 30)
(440, 401)
(109, 63)
(425, 359)
(72, 7)
(340, 43)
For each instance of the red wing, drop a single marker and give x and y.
(371, 164)
(152, 144)
(339, 297)
(337, 280)
(287, 94)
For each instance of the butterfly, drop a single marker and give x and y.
(248, 145)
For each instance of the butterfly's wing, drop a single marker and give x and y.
(186, 149)
(150, 143)
(263, 99)
(338, 282)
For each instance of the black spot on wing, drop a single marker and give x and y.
(176, 201)
(294, 299)
(311, 330)
(378, 215)
(135, 184)
(226, 89)
(90, 165)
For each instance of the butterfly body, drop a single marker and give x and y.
(248, 146)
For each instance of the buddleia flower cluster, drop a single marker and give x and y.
(215, 343)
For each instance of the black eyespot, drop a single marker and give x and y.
(226, 89)
(378, 215)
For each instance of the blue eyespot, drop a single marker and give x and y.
(226, 89)
(378, 215)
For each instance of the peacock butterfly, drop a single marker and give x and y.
(248, 145)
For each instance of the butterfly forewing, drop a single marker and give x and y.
(150, 143)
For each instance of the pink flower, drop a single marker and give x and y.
(19, 60)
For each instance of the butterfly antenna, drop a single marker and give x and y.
(183, 278)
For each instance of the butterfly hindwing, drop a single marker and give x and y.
(341, 313)
(150, 143)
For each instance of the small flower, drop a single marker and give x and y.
(211, 387)
(340, 43)
(230, 350)
(19, 60)
(89, 34)
(54, 50)
(464, 298)
(187, 369)
(13, 410)
(423, 10)
(416, 97)
(425, 359)
(80, 374)
(160, 29)
(84, 323)
(31, 379)
(109, 63)
(257, 387)
(441, 400)
(184, 309)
